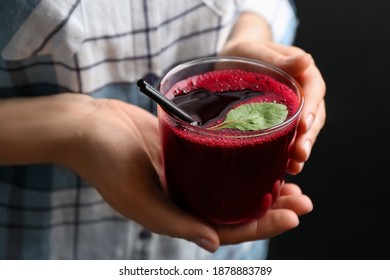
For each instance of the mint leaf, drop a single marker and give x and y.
(254, 116)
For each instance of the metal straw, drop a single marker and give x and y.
(164, 102)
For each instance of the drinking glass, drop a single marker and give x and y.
(226, 176)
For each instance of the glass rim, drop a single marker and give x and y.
(236, 134)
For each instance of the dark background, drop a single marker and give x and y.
(346, 176)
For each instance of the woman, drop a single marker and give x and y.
(79, 151)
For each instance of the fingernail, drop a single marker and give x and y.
(309, 121)
(205, 244)
(307, 146)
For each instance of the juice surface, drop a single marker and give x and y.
(221, 178)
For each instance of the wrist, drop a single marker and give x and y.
(36, 129)
(249, 27)
(249, 32)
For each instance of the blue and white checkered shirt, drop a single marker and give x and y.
(100, 48)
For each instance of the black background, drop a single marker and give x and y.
(346, 176)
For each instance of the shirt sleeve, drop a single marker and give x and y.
(40, 28)
(12, 15)
(280, 15)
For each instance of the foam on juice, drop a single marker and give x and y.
(212, 95)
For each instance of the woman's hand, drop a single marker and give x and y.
(116, 147)
(301, 66)
(283, 216)
(251, 38)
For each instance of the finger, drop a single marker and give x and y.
(174, 222)
(299, 204)
(284, 216)
(290, 189)
(294, 167)
(288, 58)
(274, 222)
(291, 59)
(314, 90)
(287, 50)
(154, 210)
(302, 67)
(291, 198)
(305, 141)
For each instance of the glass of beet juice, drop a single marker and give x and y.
(228, 174)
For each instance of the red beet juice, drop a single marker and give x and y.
(226, 176)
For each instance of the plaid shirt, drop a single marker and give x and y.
(100, 48)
